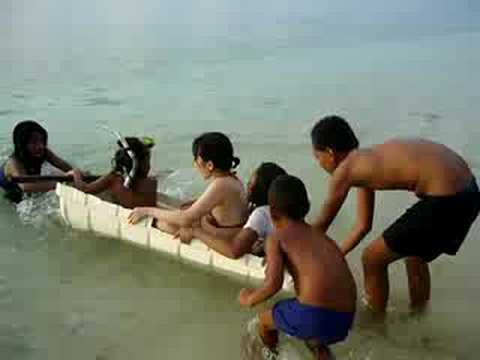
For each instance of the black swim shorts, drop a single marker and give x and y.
(435, 224)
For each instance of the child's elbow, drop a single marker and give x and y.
(85, 188)
(236, 254)
(237, 251)
(365, 228)
(274, 285)
(185, 221)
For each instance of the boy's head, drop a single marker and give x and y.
(288, 200)
(30, 145)
(260, 182)
(332, 140)
(123, 163)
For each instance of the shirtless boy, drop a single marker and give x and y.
(323, 311)
(449, 202)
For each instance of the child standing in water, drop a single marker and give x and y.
(224, 201)
(144, 188)
(449, 202)
(323, 311)
(30, 153)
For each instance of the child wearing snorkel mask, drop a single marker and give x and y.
(142, 190)
(31, 151)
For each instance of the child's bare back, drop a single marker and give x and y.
(438, 223)
(144, 193)
(320, 272)
(324, 307)
(417, 165)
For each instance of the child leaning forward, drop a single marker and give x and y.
(323, 310)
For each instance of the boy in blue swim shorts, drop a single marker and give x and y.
(323, 311)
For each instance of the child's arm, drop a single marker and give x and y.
(338, 189)
(58, 162)
(273, 276)
(184, 218)
(101, 184)
(365, 210)
(16, 169)
(233, 248)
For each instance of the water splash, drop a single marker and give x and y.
(36, 209)
(252, 347)
(178, 184)
(251, 344)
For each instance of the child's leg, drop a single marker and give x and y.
(320, 351)
(418, 282)
(376, 258)
(165, 227)
(324, 353)
(266, 329)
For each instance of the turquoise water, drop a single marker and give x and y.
(262, 74)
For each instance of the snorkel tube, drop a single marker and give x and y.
(127, 183)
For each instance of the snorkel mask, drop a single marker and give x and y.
(136, 155)
(127, 182)
(122, 143)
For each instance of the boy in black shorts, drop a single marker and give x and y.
(438, 223)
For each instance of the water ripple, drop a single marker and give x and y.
(6, 112)
(102, 101)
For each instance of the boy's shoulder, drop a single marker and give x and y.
(358, 164)
(294, 232)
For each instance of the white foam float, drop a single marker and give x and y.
(90, 213)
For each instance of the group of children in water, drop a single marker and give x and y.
(268, 218)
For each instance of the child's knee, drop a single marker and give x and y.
(370, 259)
(266, 329)
(377, 255)
(324, 353)
(269, 338)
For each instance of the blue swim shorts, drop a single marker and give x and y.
(309, 322)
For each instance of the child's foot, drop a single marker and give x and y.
(324, 353)
(251, 343)
(268, 354)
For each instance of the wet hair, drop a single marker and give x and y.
(335, 133)
(122, 163)
(264, 176)
(22, 134)
(217, 148)
(288, 197)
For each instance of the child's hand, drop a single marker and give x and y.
(76, 173)
(77, 178)
(244, 297)
(72, 172)
(185, 235)
(137, 214)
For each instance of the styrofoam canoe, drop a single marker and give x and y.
(89, 213)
